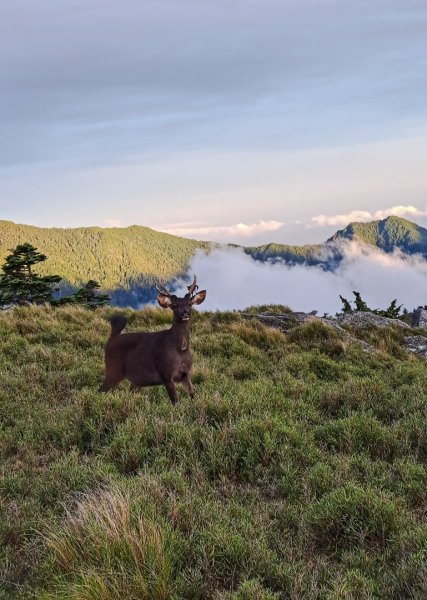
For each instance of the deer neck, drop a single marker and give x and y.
(180, 333)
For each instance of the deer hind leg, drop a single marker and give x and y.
(188, 385)
(171, 389)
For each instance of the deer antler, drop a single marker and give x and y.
(193, 287)
(162, 290)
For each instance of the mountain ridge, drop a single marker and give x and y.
(127, 261)
(386, 234)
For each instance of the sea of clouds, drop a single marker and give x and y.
(234, 280)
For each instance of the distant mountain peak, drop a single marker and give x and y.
(386, 234)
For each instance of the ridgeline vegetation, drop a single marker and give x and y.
(128, 261)
(298, 470)
(393, 311)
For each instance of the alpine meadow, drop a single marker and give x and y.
(298, 470)
(213, 300)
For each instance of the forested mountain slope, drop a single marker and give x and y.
(115, 257)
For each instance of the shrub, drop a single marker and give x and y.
(359, 434)
(351, 516)
(315, 334)
(252, 589)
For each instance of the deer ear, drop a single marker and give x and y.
(164, 301)
(199, 297)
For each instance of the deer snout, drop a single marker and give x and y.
(185, 315)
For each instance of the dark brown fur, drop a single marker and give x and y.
(153, 358)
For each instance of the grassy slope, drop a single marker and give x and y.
(113, 256)
(298, 471)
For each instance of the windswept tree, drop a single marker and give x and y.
(346, 306)
(87, 296)
(20, 284)
(393, 311)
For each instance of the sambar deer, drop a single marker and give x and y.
(154, 358)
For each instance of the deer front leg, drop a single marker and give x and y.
(171, 389)
(188, 385)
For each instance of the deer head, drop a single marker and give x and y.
(181, 307)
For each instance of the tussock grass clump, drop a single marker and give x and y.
(358, 434)
(388, 340)
(265, 309)
(315, 334)
(297, 471)
(108, 548)
(254, 334)
(351, 516)
(252, 589)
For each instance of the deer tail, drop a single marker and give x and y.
(118, 323)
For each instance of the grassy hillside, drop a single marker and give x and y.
(116, 257)
(298, 470)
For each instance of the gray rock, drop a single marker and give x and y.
(419, 317)
(417, 344)
(286, 322)
(363, 320)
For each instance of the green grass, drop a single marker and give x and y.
(298, 470)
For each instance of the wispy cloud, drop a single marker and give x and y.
(215, 231)
(365, 215)
(112, 223)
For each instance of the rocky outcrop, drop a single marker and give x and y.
(419, 317)
(287, 321)
(362, 320)
(415, 344)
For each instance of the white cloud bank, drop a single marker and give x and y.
(234, 280)
(365, 215)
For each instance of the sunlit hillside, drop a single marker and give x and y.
(130, 259)
(115, 257)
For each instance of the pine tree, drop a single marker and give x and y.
(392, 312)
(87, 296)
(360, 304)
(19, 284)
(346, 305)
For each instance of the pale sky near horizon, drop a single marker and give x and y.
(245, 121)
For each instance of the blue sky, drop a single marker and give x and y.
(246, 121)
